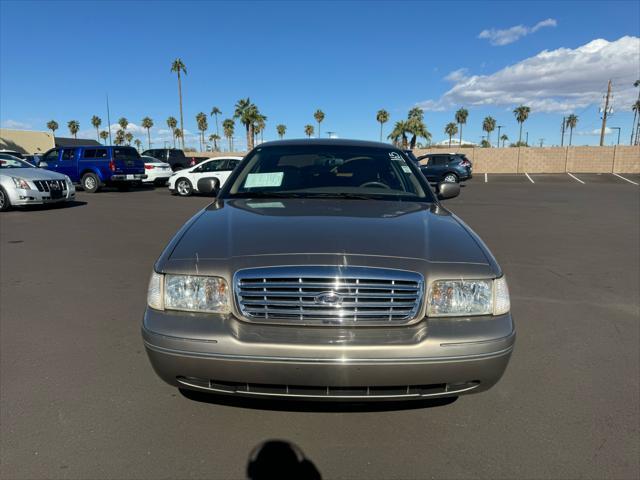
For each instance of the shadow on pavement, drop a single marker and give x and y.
(282, 460)
(285, 405)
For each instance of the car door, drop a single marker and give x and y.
(206, 169)
(50, 160)
(68, 164)
(433, 170)
(227, 169)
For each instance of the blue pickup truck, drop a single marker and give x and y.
(94, 167)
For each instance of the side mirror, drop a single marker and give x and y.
(209, 186)
(448, 190)
(42, 164)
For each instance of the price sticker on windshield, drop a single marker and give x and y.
(271, 179)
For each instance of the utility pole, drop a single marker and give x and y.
(617, 128)
(564, 120)
(605, 113)
(541, 142)
(109, 119)
(499, 127)
(527, 140)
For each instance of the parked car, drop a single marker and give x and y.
(23, 184)
(13, 153)
(32, 159)
(174, 157)
(185, 182)
(411, 155)
(94, 167)
(158, 172)
(446, 167)
(328, 270)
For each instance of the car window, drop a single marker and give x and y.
(102, 153)
(231, 164)
(9, 161)
(329, 170)
(213, 166)
(68, 154)
(51, 156)
(125, 153)
(89, 153)
(176, 154)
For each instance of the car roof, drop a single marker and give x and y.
(325, 141)
(225, 157)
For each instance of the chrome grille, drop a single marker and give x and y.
(45, 185)
(310, 295)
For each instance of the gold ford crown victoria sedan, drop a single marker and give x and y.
(328, 270)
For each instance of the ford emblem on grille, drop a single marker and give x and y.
(328, 298)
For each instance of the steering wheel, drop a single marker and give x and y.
(375, 184)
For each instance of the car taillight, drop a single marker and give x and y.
(149, 167)
(112, 165)
(192, 162)
(465, 163)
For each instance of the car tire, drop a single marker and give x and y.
(90, 183)
(184, 187)
(450, 178)
(5, 203)
(175, 168)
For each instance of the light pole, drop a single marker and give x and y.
(527, 140)
(616, 128)
(499, 127)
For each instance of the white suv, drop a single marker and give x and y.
(185, 182)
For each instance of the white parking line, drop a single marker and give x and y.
(575, 178)
(530, 179)
(485, 178)
(620, 176)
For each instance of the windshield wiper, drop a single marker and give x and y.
(351, 196)
(267, 195)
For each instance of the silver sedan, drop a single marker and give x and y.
(23, 184)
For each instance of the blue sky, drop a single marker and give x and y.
(57, 60)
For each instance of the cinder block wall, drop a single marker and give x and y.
(618, 159)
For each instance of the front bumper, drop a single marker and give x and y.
(434, 358)
(23, 197)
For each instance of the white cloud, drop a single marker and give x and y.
(510, 35)
(15, 124)
(457, 75)
(561, 80)
(593, 133)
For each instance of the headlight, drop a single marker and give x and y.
(21, 183)
(189, 293)
(68, 180)
(459, 298)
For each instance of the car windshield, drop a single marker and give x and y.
(9, 161)
(328, 171)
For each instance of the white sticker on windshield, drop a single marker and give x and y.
(271, 179)
(395, 156)
(406, 169)
(266, 205)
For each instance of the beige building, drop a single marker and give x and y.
(26, 141)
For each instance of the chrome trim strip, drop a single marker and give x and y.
(330, 361)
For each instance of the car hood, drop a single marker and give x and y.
(325, 228)
(32, 173)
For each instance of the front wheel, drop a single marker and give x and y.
(184, 187)
(90, 183)
(451, 178)
(5, 203)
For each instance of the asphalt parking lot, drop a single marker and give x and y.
(78, 398)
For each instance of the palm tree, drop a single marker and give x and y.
(177, 66)
(259, 126)
(203, 125)
(319, 116)
(382, 117)
(522, 113)
(96, 122)
(504, 138)
(416, 127)
(572, 121)
(74, 126)
(215, 111)
(281, 129)
(104, 135)
(308, 130)
(124, 123)
(172, 123)
(451, 129)
(489, 125)
(636, 112)
(228, 128)
(214, 137)
(138, 143)
(147, 123)
(119, 137)
(461, 119)
(177, 134)
(399, 131)
(53, 126)
(128, 137)
(248, 114)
